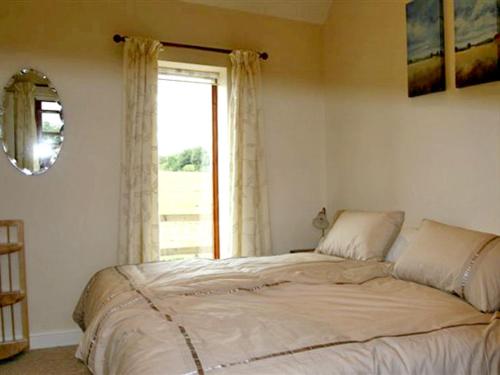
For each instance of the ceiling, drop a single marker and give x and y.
(313, 11)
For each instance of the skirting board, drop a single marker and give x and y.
(55, 338)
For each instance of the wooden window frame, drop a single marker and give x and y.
(215, 172)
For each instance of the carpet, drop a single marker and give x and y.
(52, 361)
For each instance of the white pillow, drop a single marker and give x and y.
(362, 235)
(401, 244)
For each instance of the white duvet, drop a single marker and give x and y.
(301, 313)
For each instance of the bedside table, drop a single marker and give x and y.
(301, 251)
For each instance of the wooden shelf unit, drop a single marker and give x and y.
(7, 248)
(14, 323)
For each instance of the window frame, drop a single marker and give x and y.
(215, 172)
(167, 67)
(38, 116)
(39, 124)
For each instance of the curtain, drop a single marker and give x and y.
(248, 186)
(21, 135)
(139, 175)
(9, 134)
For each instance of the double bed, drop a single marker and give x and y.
(305, 313)
(370, 300)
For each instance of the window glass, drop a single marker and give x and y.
(51, 106)
(185, 167)
(51, 122)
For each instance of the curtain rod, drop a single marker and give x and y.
(121, 38)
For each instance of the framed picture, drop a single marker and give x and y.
(477, 41)
(425, 42)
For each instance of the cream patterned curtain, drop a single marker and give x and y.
(9, 133)
(21, 135)
(139, 179)
(248, 189)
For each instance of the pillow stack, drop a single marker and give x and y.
(457, 260)
(453, 259)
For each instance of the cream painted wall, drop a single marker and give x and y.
(71, 212)
(435, 156)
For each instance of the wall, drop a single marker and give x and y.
(434, 156)
(71, 212)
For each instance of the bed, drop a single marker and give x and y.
(305, 313)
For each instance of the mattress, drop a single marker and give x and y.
(303, 313)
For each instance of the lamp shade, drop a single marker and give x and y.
(321, 221)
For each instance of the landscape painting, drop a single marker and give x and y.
(477, 41)
(425, 42)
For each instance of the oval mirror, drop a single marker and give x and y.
(31, 122)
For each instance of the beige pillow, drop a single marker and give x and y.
(482, 284)
(440, 254)
(362, 235)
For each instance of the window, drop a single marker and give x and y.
(50, 130)
(190, 129)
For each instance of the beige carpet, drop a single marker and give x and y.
(54, 361)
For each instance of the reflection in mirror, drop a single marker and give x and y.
(31, 122)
